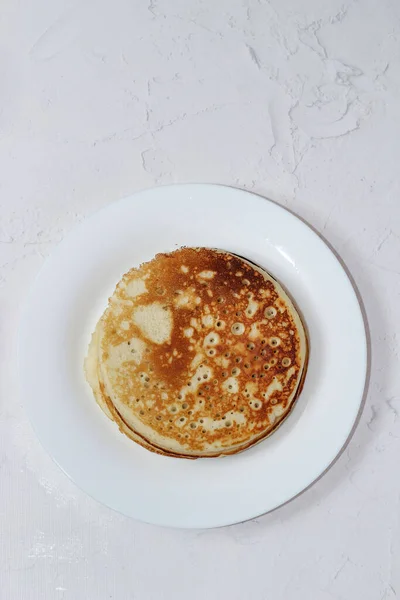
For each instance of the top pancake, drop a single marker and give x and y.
(199, 353)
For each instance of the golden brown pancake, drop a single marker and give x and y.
(200, 353)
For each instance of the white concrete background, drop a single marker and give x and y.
(298, 100)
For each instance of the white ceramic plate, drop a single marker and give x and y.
(70, 294)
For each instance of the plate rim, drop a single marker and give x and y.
(365, 350)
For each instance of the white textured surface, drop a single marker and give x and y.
(296, 100)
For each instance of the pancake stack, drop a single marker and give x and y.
(199, 353)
